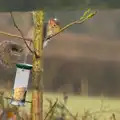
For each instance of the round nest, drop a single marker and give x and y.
(10, 52)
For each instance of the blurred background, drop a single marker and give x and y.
(83, 60)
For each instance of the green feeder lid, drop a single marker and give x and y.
(24, 66)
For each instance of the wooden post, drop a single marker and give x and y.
(84, 86)
(37, 94)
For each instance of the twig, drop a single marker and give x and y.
(8, 98)
(16, 36)
(64, 28)
(114, 117)
(51, 109)
(20, 33)
(50, 102)
(70, 24)
(74, 117)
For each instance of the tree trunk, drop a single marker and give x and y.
(37, 94)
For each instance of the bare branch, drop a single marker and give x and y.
(87, 15)
(80, 21)
(11, 98)
(20, 33)
(51, 109)
(15, 36)
(74, 117)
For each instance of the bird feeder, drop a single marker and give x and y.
(21, 84)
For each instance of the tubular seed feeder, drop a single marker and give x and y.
(21, 84)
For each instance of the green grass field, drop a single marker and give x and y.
(78, 104)
(102, 107)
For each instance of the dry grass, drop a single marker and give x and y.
(73, 108)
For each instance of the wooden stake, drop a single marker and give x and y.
(37, 94)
